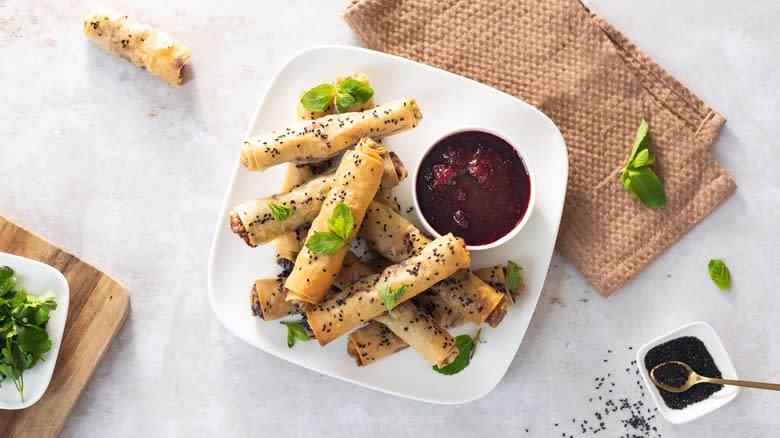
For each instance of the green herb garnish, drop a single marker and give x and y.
(318, 98)
(639, 179)
(388, 296)
(281, 212)
(512, 277)
(341, 224)
(720, 274)
(349, 92)
(295, 331)
(467, 346)
(23, 319)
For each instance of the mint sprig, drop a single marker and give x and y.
(295, 331)
(720, 274)
(639, 179)
(318, 98)
(512, 277)
(467, 346)
(281, 212)
(349, 93)
(388, 296)
(341, 224)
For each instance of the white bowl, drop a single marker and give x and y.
(37, 278)
(531, 178)
(712, 342)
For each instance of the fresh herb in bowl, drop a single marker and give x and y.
(23, 336)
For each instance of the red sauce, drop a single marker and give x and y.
(474, 185)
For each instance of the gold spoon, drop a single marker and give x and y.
(695, 379)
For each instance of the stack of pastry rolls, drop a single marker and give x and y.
(336, 158)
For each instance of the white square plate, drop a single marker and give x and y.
(447, 102)
(37, 278)
(714, 345)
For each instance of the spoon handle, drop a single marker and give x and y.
(760, 385)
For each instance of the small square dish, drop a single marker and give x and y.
(37, 278)
(714, 346)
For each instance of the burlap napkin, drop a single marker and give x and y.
(596, 86)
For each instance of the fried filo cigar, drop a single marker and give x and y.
(141, 44)
(323, 138)
(253, 221)
(360, 302)
(357, 180)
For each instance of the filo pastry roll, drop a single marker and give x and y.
(495, 276)
(395, 238)
(360, 302)
(320, 139)
(267, 299)
(357, 180)
(289, 244)
(254, 222)
(421, 332)
(141, 44)
(372, 342)
(375, 341)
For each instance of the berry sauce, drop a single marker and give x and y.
(474, 185)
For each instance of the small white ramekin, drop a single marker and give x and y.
(717, 350)
(529, 168)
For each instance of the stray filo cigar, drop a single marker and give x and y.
(357, 180)
(360, 302)
(323, 138)
(141, 44)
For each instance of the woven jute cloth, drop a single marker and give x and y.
(596, 86)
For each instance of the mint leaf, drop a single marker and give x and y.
(352, 92)
(645, 185)
(640, 142)
(344, 101)
(720, 274)
(281, 212)
(512, 277)
(295, 331)
(639, 179)
(643, 158)
(342, 223)
(390, 297)
(467, 346)
(324, 242)
(359, 91)
(318, 98)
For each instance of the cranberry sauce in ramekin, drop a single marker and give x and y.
(475, 185)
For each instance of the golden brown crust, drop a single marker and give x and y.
(372, 342)
(323, 138)
(360, 302)
(421, 332)
(357, 180)
(141, 44)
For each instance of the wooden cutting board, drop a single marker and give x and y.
(98, 308)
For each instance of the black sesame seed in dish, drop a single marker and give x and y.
(692, 351)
